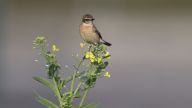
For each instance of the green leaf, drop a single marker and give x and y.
(104, 65)
(45, 82)
(46, 102)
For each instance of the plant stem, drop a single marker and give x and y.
(74, 74)
(78, 86)
(57, 92)
(73, 79)
(83, 98)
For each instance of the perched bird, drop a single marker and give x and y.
(89, 32)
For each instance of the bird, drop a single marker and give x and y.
(90, 33)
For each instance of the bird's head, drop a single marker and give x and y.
(87, 18)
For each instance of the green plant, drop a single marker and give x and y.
(91, 66)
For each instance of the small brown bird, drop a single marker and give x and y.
(89, 32)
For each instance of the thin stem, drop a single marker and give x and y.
(73, 78)
(74, 74)
(73, 82)
(83, 98)
(78, 87)
(57, 92)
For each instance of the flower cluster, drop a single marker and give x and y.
(107, 75)
(55, 48)
(97, 55)
(82, 45)
(39, 41)
(89, 55)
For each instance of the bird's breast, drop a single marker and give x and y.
(88, 34)
(86, 28)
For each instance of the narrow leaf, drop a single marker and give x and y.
(45, 82)
(46, 102)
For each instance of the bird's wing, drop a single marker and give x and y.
(96, 31)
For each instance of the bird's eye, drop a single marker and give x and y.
(89, 19)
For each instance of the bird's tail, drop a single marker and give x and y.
(106, 43)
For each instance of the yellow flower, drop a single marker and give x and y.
(82, 45)
(99, 59)
(92, 59)
(89, 55)
(107, 55)
(107, 75)
(54, 48)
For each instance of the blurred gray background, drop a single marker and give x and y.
(151, 63)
